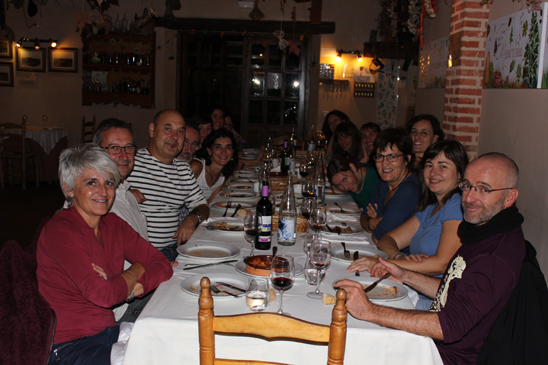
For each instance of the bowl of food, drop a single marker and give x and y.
(258, 265)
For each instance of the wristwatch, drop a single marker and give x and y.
(198, 215)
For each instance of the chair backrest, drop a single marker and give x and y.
(271, 326)
(88, 130)
(10, 140)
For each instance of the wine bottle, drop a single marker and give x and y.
(287, 224)
(319, 180)
(285, 155)
(264, 208)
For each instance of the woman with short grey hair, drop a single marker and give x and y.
(81, 254)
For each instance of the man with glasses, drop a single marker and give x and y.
(479, 279)
(191, 144)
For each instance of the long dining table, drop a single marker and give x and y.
(167, 330)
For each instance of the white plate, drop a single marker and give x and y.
(245, 172)
(233, 227)
(244, 195)
(356, 229)
(192, 285)
(251, 150)
(240, 267)
(385, 291)
(209, 251)
(347, 211)
(337, 251)
(239, 186)
(248, 157)
(239, 180)
(222, 205)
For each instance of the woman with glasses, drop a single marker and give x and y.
(359, 182)
(431, 234)
(347, 143)
(397, 194)
(215, 162)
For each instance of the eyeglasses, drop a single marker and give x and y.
(390, 157)
(480, 189)
(194, 145)
(116, 150)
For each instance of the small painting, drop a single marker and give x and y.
(30, 59)
(63, 59)
(6, 49)
(6, 74)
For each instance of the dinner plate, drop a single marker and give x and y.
(232, 227)
(337, 251)
(236, 186)
(254, 151)
(385, 291)
(347, 211)
(209, 251)
(192, 285)
(247, 195)
(335, 192)
(240, 267)
(239, 180)
(248, 157)
(356, 229)
(234, 204)
(245, 172)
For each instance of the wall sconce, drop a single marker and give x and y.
(341, 52)
(36, 41)
(377, 63)
(450, 61)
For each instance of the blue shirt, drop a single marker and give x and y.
(399, 208)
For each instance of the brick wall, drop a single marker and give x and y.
(463, 88)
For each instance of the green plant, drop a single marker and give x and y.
(511, 35)
(531, 53)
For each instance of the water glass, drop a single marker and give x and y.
(257, 295)
(311, 273)
(319, 256)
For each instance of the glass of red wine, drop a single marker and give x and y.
(319, 256)
(318, 218)
(252, 222)
(304, 170)
(282, 275)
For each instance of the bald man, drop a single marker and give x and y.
(478, 280)
(167, 184)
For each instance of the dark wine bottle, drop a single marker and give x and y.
(264, 208)
(285, 155)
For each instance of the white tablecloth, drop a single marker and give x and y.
(46, 138)
(167, 330)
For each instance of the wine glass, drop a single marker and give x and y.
(308, 189)
(318, 217)
(320, 257)
(282, 275)
(304, 170)
(252, 222)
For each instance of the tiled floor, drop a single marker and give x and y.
(22, 210)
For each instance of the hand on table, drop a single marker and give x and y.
(383, 267)
(138, 195)
(363, 264)
(357, 303)
(186, 229)
(174, 263)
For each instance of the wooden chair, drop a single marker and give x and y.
(271, 326)
(88, 130)
(13, 146)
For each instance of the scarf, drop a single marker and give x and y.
(505, 221)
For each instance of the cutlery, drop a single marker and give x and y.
(343, 224)
(228, 205)
(231, 286)
(212, 264)
(357, 256)
(372, 286)
(342, 210)
(232, 229)
(346, 252)
(329, 228)
(274, 251)
(216, 290)
(236, 211)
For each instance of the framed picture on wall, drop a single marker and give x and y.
(30, 59)
(63, 59)
(6, 49)
(6, 74)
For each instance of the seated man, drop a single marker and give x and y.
(478, 280)
(167, 184)
(191, 144)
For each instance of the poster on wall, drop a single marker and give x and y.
(433, 64)
(513, 52)
(544, 49)
(386, 90)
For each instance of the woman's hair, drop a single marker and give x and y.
(73, 162)
(370, 127)
(201, 119)
(398, 137)
(347, 129)
(335, 166)
(208, 142)
(455, 152)
(436, 126)
(326, 129)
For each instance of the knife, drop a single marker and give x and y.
(236, 211)
(231, 286)
(357, 256)
(372, 286)
(215, 263)
(346, 252)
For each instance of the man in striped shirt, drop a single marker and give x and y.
(165, 184)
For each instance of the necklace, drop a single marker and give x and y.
(395, 187)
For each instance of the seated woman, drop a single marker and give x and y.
(215, 162)
(424, 129)
(330, 123)
(368, 133)
(347, 143)
(205, 126)
(229, 125)
(81, 254)
(431, 234)
(397, 195)
(359, 182)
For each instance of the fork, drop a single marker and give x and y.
(228, 205)
(342, 210)
(217, 291)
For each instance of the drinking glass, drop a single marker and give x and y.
(308, 190)
(282, 275)
(252, 222)
(311, 273)
(318, 218)
(257, 295)
(304, 170)
(320, 257)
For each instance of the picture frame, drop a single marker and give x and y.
(30, 59)
(63, 59)
(6, 74)
(6, 49)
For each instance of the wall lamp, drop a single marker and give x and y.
(36, 42)
(341, 52)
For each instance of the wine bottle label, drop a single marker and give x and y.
(266, 227)
(286, 161)
(286, 230)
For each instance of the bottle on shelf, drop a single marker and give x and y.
(319, 179)
(287, 223)
(264, 208)
(285, 157)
